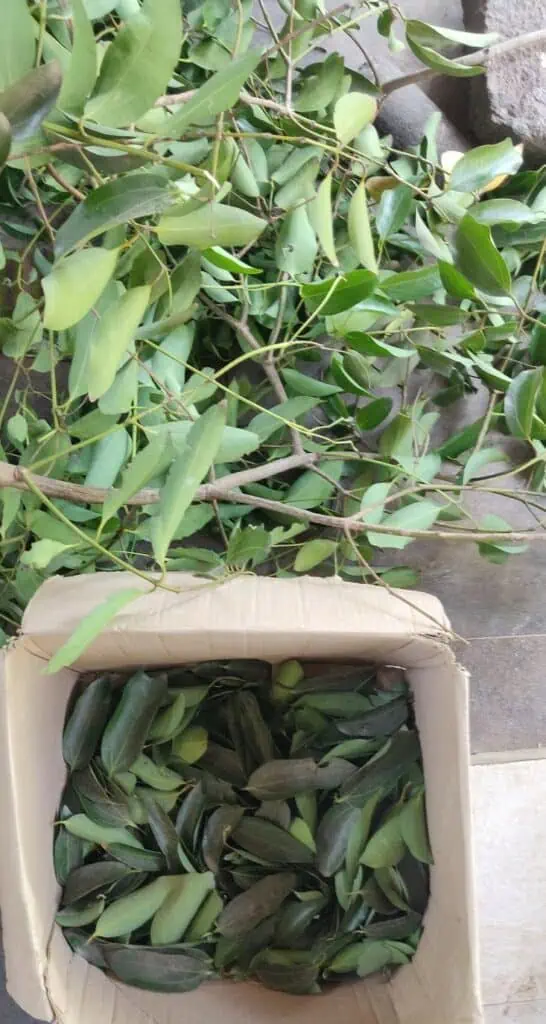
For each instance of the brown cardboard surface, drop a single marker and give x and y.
(246, 617)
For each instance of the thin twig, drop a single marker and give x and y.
(38, 201)
(65, 184)
(270, 370)
(471, 60)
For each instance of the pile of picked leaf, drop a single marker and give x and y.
(219, 820)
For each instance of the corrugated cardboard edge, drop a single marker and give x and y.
(45, 628)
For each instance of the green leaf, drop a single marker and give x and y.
(227, 261)
(5, 139)
(321, 84)
(150, 462)
(320, 215)
(416, 32)
(90, 627)
(412, 285)
(158, 971)
(211, 225)
(248, 545)
(436, 315)
(479, 259)
(431, 243)
(368, 346)
(138, 64)
(520, 402)
(28, 100)
(350, 289)
(265, 425)
(481, 165)
(296, 247)
(17, 44)
(310, 490)
(393, 211)
(217, 95)
(126, 198)
(313, 552)
(360, 233)
(191, 744)
(42, 552)
(234, 445)
(352, 113)
(113, 337)
(420, 515)
(509, 212)
(109, 455)
(311, 386)
(369, 416)
(186, 473)
(445, 38)
(455, 283)
(75, 284)
(80, 77)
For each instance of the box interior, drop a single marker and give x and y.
(245, 619)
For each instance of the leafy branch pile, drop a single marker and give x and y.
(234, 314)
(216, 822)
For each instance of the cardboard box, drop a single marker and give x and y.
(247, 617)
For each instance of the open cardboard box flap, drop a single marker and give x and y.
(246, 617)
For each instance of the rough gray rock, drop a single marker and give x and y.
(511, 98)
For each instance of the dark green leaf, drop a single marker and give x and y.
(270, 843)
(92, 878)
(333, 835)
(27, 102)
(219, 827)
(126, 732)
(384, 771)
(248, 909)
(479, 260)
(158, 971)
(348, 291)
(87, 720)
(413, 826)
(393, 211)
(520, 402)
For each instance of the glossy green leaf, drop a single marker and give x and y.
(423, 41)
(112, 339)
(412, 285)
(369, 416)
(479, 259)
(313, 553)
(360, 233)
(80, 77)
(17, 43)
(368, 346)
(219, 93)
(75, 284)
(138, 64)
(508, 212)
(455, 283)
(126, 198)
(185, 475)
(352, 113)
(431, 242)
(227, 261)
(305, 385)
(321, 217)
(211, 225)
(481, 165)
(393, 210)
(90, 627)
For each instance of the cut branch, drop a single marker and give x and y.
(227, 489)
(471, 60)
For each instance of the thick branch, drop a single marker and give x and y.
(226, 489)
(11, 476)
(471, 60)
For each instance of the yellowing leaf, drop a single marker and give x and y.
(185, 475)
(360, 232)
(213, 224)
(74, 285)
(113, 337)
(352, 113)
